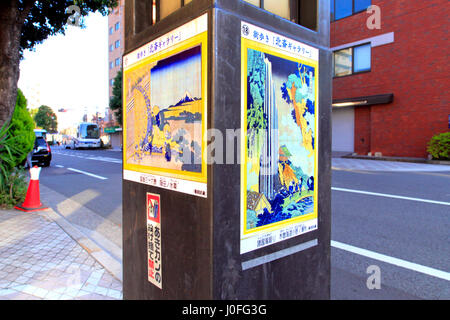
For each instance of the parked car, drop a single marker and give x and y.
(41, 154)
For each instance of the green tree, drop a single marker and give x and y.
(25, 23)
(46, 119)
(33, 112)
(16, 141)
(22, 126)
(115, 102)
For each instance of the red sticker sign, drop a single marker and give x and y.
(154, 239)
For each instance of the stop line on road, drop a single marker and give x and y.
(90, 157)
(87, 173)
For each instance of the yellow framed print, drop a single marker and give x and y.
(279, 142)
(165, 110)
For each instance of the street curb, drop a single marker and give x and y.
(103, 257)
(106, 252)
(397, 159)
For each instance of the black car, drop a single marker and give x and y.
(41, 154)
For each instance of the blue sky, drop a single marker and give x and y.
(171, 79)
(69, 71)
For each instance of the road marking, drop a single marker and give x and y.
(106, 159)
(391, 196)
(391, 260)
(59, 166)
(92, 157)
(87, 173)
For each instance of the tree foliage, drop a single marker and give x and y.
(50, 17)
(16, 141)
(26, 23)
(46, 119)
(115, 102)
(22, 126)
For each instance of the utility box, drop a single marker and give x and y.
(226, 150)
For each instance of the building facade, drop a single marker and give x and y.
(115, 42)
(115, 53)
(391, 75)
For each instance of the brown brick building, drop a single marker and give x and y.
(390, 86)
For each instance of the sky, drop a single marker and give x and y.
(175, 76)
(69, 71)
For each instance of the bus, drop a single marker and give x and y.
(41, 133)
(88, 136)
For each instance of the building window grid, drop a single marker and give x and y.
(293, 8)
(333, 9)
(353, 72)
(156, 9)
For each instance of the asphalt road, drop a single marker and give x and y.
(411, 234)
(398, 228)
(92, 178)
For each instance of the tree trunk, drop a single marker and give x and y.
(11, 21)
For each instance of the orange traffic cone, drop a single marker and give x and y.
(32, 199)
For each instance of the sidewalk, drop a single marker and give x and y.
(39, 260)
(385, 165)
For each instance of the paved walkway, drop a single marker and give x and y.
(381, 165)
(39, 260)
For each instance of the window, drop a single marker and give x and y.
(352, 60)
(342, 62)
(111, 82)
(344, 8)
(89, 131)
(278, 7)
(254, 2)
(361, 5)
(302, 12)
(117, 62)
(111, 48)
(167, 7)
(117, 26)
(361, 58)
(111, 65)
(110, 30)
(117, 44)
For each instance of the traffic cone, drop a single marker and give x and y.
(32, 199)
